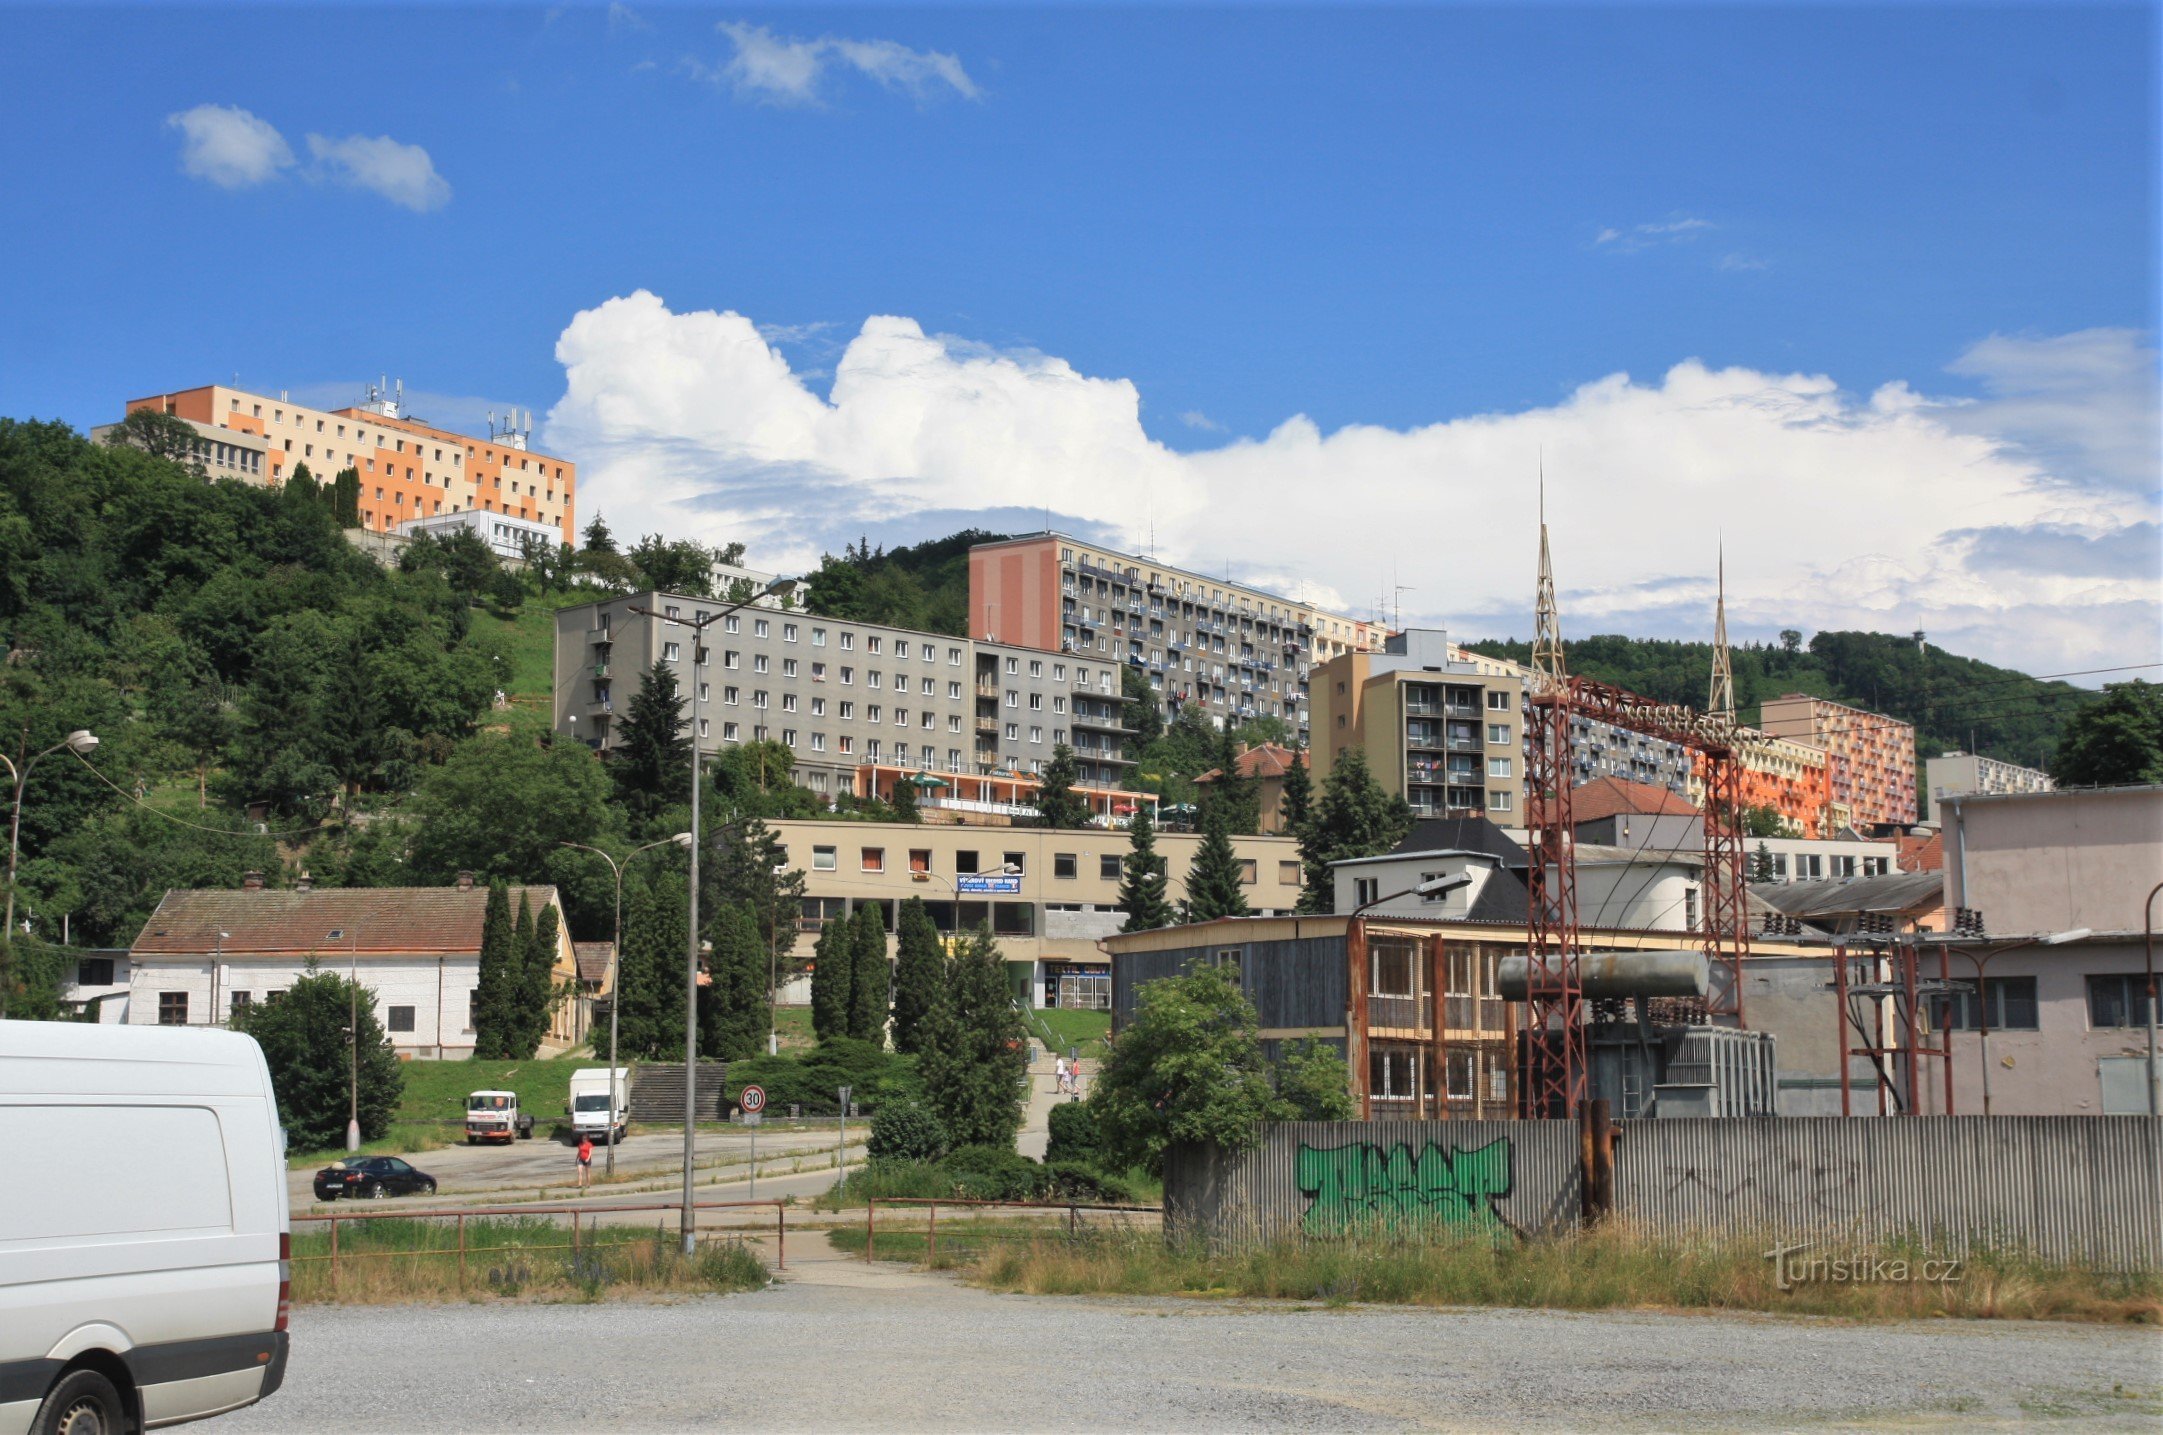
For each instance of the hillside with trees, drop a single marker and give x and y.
(924, 586)
(1954, 702)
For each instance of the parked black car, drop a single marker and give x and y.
(375, 1177)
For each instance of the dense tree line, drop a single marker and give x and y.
(923, 586)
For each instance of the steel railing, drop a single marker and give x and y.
(932, 1204)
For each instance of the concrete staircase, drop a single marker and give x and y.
(657, 1092)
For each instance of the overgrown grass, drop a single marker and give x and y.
(794, 1023)
(963, 1241)
(399, 1259)
(527, 643)
(1610, 1269)
(1081, 1030)
(435, 1091)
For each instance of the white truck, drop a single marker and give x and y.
(600, 1107)
(494, 1116)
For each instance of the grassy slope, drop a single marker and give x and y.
(436, 1091)
(527, 641)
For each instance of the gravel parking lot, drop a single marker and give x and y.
(838, 1346)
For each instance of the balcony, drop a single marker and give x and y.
(988, 725)
(600, 670)
(1101, 724)
(985, 690)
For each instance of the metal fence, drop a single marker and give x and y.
(1081, 1217)
(584, 1229)
(2085, 1189)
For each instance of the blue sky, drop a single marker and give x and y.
(1406, 218)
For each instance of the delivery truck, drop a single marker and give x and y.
(600, 1106)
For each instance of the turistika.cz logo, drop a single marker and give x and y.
(1793, 1267)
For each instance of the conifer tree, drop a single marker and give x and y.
(1296, 808)
(651, 969)
(345, 491)
(651, 763)
(537, 999)
(495, 995)
(1057, 804)
(1236, 796)
(1213, 886)
(869, 983)
(732, 1008)
(903, 802)
(919, 974)
(1144, 888)
(833, 978)
(974, 1054)
(1355, 818)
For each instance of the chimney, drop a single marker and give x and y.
(304, 883)
(465, 881)
(251, 881)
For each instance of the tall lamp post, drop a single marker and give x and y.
(779, 588)
(352, 987)
(615, 966)
(80, 742)
(773, 972)
(2155, 1081)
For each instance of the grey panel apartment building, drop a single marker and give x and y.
(1239, 651)
(839, 694)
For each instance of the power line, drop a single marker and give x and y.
(182, 821)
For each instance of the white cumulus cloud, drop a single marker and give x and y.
(1837, 510)
(788, 70)
(401, 173)
(230, 147)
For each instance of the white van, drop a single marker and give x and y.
(143, 1226)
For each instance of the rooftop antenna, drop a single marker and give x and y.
(1721, 703)
(1550, 674)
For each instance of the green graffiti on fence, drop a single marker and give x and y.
(1365, 1185)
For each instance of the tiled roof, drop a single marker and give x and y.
(1269, 759)
(1618, 796)
(1921, 854)
(266, 922)
(593, 960)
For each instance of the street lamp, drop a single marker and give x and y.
(1978, 961)
(779, 588)
(773, 970)
(1432, 887)
(80, 742)
(615, 963)
(352, 1120)
(2155, 1083)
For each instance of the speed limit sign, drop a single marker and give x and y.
(752, 1099)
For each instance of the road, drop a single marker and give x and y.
(841, 1346)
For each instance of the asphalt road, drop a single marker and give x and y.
(840, 1346)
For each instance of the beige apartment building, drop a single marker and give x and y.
(1870, 757)
(1050, 895)
(1957, 774)
(221, 452)
(408, 469)
(1440, 733)
(1239, 651)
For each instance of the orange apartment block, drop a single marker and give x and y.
(1871, 756)
(1792, 778)
(407, 469)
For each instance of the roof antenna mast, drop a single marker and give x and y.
(1721, 703)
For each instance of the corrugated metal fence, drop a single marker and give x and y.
(2081, 1188)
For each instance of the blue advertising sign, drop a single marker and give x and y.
(988, 885)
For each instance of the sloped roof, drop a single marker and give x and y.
(1618, 797)
(1460, 834)
(1900, 892)
(1921, 854)
(1502, 898)
(427, 921)
(593, 959)
(1268, 759)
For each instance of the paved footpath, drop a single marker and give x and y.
(839, 1345)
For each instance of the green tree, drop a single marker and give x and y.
(1187, 1067)
(732, 1007)
(345, 492)
(1057, 804)
(503, 807)
(681, 566)
(1213, 887)
(919, 973)
(1296, 808)
(598, 538)
(2115, 741)
(903, 803)
(1232, 794)
(1355, 818)
(656, 944)
(537, 982)
(974, 1058)
(304, 1039)
(1763, 821)
(161, 435)
(868, 983)
(1761, 864)
(1144, 887)
(1144, 711)
(833, 979)
(1314, 1084)
(750, 865)
(651, 761)
(496, 992)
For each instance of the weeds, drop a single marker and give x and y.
(397, 1259)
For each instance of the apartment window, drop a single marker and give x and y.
(731, 695)
(703, 725)
(929, 688)
(848, 642)
(1013, 732)
(871, 712)
(965, 862)
(1498, 767)
(759, 664)
(953, 722)
(1036, 734)
(788, 702)
(1108, 867)
(670, 653)
(788, 632)
(788, 667)
(788, 737)
(1233, 961)
(2117, 1001)
(1013, 665)
(172, 1008)
(1288, 873)
(729, 732)
(1498, 701)
(953, 657)
(1498, 733)
(241, 1001)
(848, 744)
(1036, 669)
(901, 647)
(848, 677)
(398, 1018)
(818, 741)
(818, 637)
(919, 859)
(1036, 702)
(848, 711)
(1065, 864)
(760, 628)
(874, 859)
(732, 624)
(94, 972)
(1365, 890)
(1248, 876)
(818, 707)
(758, 697)
(1014, 862)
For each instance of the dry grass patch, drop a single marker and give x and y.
(400, 1259)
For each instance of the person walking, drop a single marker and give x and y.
(1059, 1070)
(1073, 1079)
(585, 1162)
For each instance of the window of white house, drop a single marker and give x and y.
(730, 732)
(730, 658)
(848, 710)
(1036, 734)
(760, 664)
(848, 642)
(848, 677)
(953, 657)
(788, 702)
(901, 647)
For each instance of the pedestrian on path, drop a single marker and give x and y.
(1073, 1079)
(585, 1162)
(1059, 1069)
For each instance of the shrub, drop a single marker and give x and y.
(994, 1173)
(906, 1131)
(1073, 1134)
(1080, 1181)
